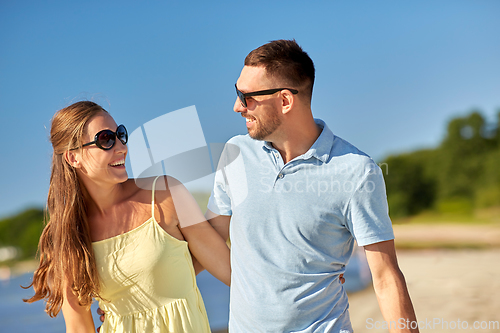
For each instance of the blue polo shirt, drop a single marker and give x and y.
(293, 228)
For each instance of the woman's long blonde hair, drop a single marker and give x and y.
(65, 247)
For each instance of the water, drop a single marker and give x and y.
(20, 317)
(17, 316)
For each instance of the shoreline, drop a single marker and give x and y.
(415, 236)
(17, 269)
(411, 236)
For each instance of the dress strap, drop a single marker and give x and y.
(153, 197)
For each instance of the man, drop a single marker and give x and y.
(293, 201)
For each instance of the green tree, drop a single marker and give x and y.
(458, 176)
(23, 231)
(462, 156)
(409, 189)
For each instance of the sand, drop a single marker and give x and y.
(447, 235)
(449, 288)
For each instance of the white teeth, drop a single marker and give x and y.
(118, 163)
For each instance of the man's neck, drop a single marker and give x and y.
(297, 139)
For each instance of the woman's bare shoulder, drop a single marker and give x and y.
(139, 189)
(143, 187)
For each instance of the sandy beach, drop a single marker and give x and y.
(450, 288)
(445, 286)
(453, 276)
(452, 273)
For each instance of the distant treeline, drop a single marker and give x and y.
(22, 232)
(460, 175)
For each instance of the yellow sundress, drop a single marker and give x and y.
(148, 283)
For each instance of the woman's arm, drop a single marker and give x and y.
(209, 249)
(204, 242)
(198, 268)
(78, 318)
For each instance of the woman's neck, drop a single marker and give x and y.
(101, 198)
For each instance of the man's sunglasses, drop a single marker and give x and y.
(106, 139)
(243, 96)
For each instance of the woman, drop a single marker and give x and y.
(113, 240)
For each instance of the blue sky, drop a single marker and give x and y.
(390, 74)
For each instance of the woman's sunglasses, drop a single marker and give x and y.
(106, 139)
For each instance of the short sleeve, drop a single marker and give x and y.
(219, 201)
(220, 198)
(367, 213)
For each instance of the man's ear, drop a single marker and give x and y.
(72, 158)
(287, 101)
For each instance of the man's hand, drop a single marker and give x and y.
(341, 278)
(102, 315)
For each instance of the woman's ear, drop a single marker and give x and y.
(72, 158)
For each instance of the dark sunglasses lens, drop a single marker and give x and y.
(121, 133)
(106, 139)
(242, 98)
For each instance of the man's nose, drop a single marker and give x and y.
(237, 106)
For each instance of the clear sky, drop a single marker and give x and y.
(389, 74)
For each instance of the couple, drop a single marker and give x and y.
(293, 205)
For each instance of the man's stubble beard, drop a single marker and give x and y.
(265, 125)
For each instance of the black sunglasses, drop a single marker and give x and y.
(243, 96)
(106, 139)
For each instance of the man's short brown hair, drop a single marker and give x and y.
(287, 62)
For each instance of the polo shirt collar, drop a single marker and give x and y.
(320, 149)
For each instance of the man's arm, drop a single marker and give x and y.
(390, 286)
(198, 268)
